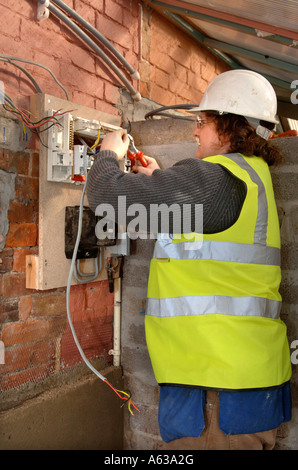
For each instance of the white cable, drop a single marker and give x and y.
(87, 362)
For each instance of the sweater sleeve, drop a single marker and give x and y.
(188, 183)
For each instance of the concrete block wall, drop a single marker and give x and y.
(284, 181)
(173, 142)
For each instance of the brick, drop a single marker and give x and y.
(43, 351)
(181, 72)
(25, 307)
(15, 162)
(161, 95)
(164, 61)
(16, 357)
(26, 8)
(9, 311)
(175, 86)
(87, 10)
(19, 258)
(23, 332)
(99, 4)
(75, 77)
(131, 11)
(107, 108)
(114, 11)
(95, 339)
(111, 93)
(49, 304)
(114, 32)
(34, 171)
(31, 375)
(11, 19)
(208, 69)
(77, 302)
(14, 285)
(144, 89)
(26, 188)
(160, 77)
(6, 260)
(57, 325)
(21, 235)
(81, 58)
(98, 294)
(196, 82)
(84, 99)
(145, 71)
(23, 211)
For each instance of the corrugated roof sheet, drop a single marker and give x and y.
(259, 35)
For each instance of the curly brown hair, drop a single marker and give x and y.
(243, 138)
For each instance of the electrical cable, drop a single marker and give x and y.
(18, 59)
(134, 73)
(38, 88)
(159, 111)
(126, 397)
(97, 140)
(9, 106)
(83, 278)
(135, 94)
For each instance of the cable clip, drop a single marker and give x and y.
(42, 10)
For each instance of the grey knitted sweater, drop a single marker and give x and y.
(190, 181)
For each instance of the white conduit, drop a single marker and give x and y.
(117, 322)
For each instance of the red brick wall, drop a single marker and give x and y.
(173, 70)
(33, 324)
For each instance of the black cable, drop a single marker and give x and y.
(159, 111)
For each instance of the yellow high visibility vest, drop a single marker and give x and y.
(213, 308)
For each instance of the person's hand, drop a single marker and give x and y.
(116, 141)
(148, 170)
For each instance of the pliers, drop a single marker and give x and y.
(134, 154)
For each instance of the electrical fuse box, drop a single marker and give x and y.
(72, 142)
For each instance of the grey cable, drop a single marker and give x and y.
(71, 271)
(18, 59)
(88, 277)
(39, 90)
(135, 94)
(134, 73)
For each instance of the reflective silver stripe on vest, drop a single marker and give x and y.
(259, 253)
(262, 217)
(213, 304)
(217, 250)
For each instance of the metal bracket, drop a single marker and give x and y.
(42, 10)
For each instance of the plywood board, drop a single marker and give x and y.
(50, 269)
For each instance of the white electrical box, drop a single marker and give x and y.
(72, 140)
(63, 159)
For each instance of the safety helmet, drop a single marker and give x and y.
(241, 92)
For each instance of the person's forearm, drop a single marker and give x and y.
(189, 183)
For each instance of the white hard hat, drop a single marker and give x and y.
(241, 92)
